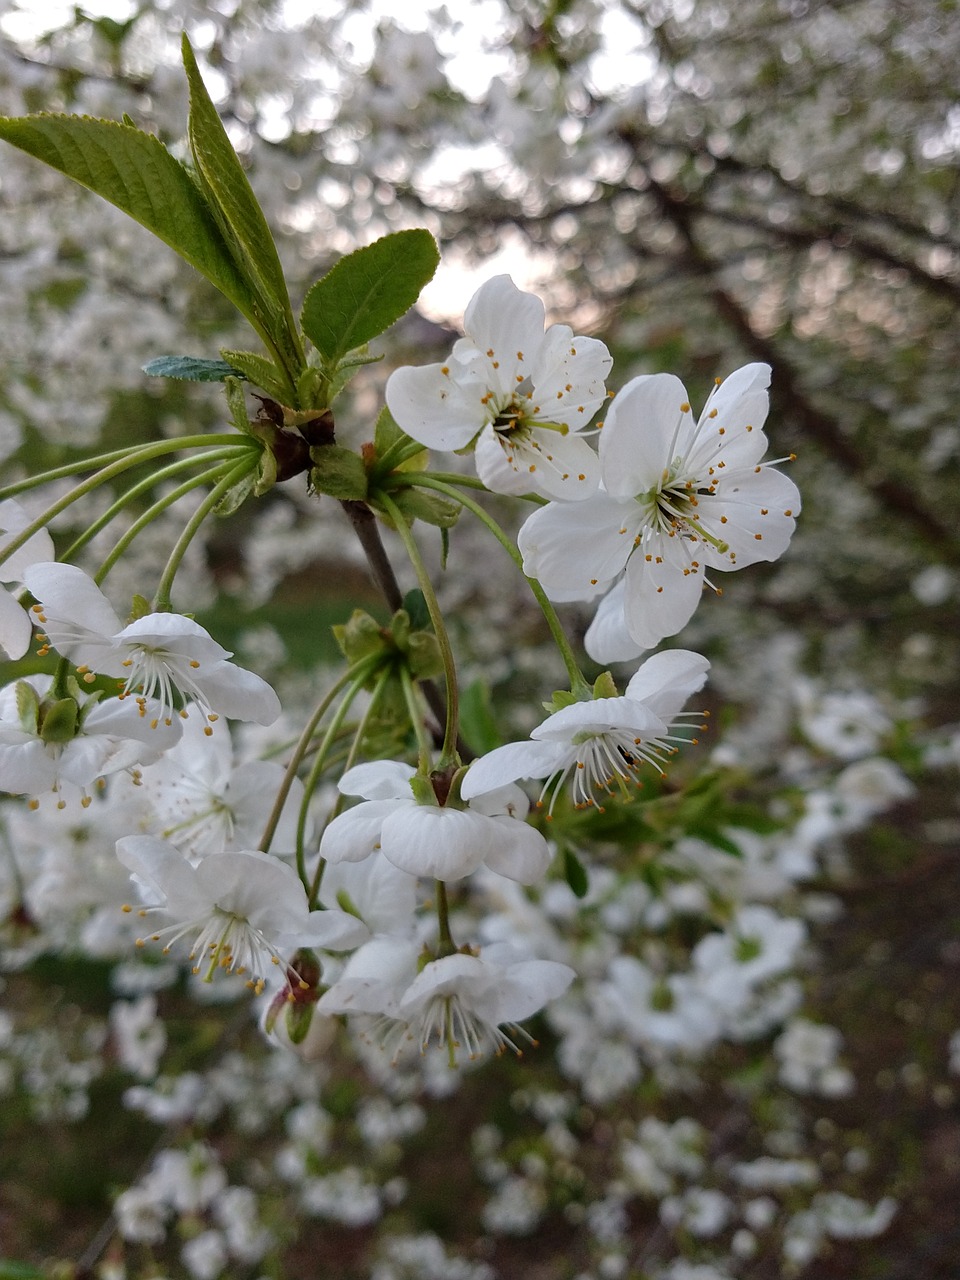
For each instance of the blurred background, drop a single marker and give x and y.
(700, 184)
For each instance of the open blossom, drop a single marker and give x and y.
(15, 628)
(523, 393)
(242, 910)
(604, 742)
(98, 739)
(678, 499)
(161, 655)
(206, 801)
(463, 1001)
(440, 841)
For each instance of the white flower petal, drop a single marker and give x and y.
(576, 546)
(434, 408)
(641, 433)
(15, 627)
(445, 844)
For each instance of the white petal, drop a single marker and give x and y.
(607, 639)
(331, 930)
(510, 762)
(576, 546)
(38, 547)
(642, 433)
(238, 694)
(15, 627)
(165, 869)
(378, 780)
(598, 715)
(524, 989)
(666, 680)
(355, 835)
(71, 595)
(445, 844)
(435, 408)
(504, 320)
(659, 599)
(523, 854)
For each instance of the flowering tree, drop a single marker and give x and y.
(347, 837)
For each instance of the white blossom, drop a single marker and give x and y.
(161, 655)
(678, 499)
(521, 393)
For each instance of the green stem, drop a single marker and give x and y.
(319, 763)
(348, 763)
(424, 745)
(127, 459)
(303, 746)
(147, 517)
(232, 477)
(141, 487)
(447, 946)
(579, 685)
(448, 753)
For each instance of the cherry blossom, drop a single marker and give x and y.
(440, 841)
(678, 498)
(161, 655)
(604, 742)
(46, 743)
(521, 392)
(241, 908)
(15, 627)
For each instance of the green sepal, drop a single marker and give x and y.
(338, 472)
(347, 904)
(258, 370)
(423, 656)
(191, 369)
(366, 292)
(431, 508)
(605, 686)
(299, 1017)
(60, 721)
(575, 874)
(237, 405)
(238, 493)
(28, 707)
(360, 637)
(238, 215)
(140, 606)
(561, 698)
(387, 432)
(423, 791)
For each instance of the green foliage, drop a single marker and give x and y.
(134, 171)
(367, 291)
(192, 369)
(239, 217)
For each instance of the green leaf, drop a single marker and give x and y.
(477, 721)
(415, 607)
(367, 291)
(258, 370)
(191, 369)
(238, 214)
(134, 171)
